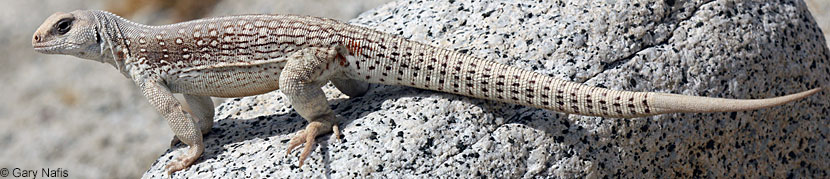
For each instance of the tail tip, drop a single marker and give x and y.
(810, 92)
(818, 89)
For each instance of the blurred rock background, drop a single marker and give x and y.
(821, 11)
(84, 116)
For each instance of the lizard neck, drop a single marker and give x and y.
(113, 45)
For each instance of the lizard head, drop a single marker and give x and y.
(74, 33)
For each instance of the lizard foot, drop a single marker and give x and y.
(185, 160)
(308, 136)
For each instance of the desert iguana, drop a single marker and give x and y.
(247, 55)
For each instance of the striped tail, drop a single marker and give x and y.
(422, 66)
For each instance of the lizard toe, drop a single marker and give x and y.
(175, 166)
(307, 148)
(185, 160)
(308, 137)
(296, 141)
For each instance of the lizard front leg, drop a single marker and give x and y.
(301, 80)
(201, 108)
(185, 129)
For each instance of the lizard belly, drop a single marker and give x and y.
(234, 81)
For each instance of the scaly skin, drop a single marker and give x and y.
(253, 54)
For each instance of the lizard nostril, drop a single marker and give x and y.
(37, 38)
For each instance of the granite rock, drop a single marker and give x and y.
(705, 48)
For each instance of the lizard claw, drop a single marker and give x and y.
(308, 136)
(185, 160)
(336, 131)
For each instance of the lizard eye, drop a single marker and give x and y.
(63, 26)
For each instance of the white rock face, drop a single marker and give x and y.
(713, 48)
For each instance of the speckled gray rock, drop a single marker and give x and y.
(711, 48)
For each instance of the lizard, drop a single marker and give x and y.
(244, 55)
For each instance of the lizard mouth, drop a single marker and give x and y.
(47, 48)
(44, 48)
(39, 46)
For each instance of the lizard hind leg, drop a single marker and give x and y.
(201, 110)
(301, 81)
(350, 87)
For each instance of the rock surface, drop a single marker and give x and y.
(705, 48)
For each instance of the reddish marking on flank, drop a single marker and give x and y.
(342, 59)
(350, 46)
(355, 47)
